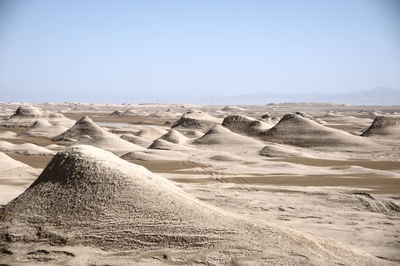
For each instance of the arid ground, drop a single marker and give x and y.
(331, 172)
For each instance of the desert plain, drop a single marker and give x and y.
(182, 184)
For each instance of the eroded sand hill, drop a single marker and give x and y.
(87, 196)
(304, 166)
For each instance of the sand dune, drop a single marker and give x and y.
(26, 115)
(25, 149)
(299, 131)
(246, 125)
(219, 135)
(136, 140)
(232, 108)
(175, 136)
(161, 144)
(85, 131)
(151, 133)
(384, 126)
(196, 120)
(84, 188)
(311, 117)
(43, 128)
(278, 150)
(156, 155)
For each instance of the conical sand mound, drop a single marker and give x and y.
(89, 197)
(85, 131)
(136, 140)
(384, 126)
(161, 144)
(26, 115)
(196, 120)
(219, 135)
(245, 125)
(175, 136)
(43, 128)
(83, 127)
(299, 131)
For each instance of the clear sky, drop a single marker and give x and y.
(135, 51)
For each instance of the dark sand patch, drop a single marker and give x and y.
(377, 165)
(378, 183)
(35, 161)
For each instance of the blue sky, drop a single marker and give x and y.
(136, 51)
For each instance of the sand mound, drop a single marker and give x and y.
(193, 133)
(175, 136)
(136, 140)
(299, 131)
(43, 128)
(232, 108)
(26, 115)
(311, 117)
(384, 126)
(89, 197)
(245, 125)
(372, 204)
(226, 157)
(155, 155)
(197, 120)
(151, 133)
(85, 131)
(219, 135)
(116, 113)
(129, 112)
(276, 150)
(161, 144)
(25, 149)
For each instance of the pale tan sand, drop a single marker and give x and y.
(83, 187)
(380, 165)
(367, 182)
(307, 188)
(85, 131)
(35, 161)
(144, 120)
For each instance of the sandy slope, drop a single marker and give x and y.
(83, 187)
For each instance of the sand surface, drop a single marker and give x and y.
(322, 180)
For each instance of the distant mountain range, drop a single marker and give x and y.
(378, 96)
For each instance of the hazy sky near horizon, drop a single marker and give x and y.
(114, 51)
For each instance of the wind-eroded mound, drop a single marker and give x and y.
(136, 140)
(24, 148)
(245, 125)
(197, 120)
(89, 197)
(85, 131)
(299, 131)
(384, 126)
(43, 128)
(26, 115)
(175, 136)
(220, 135)
(161, 144)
